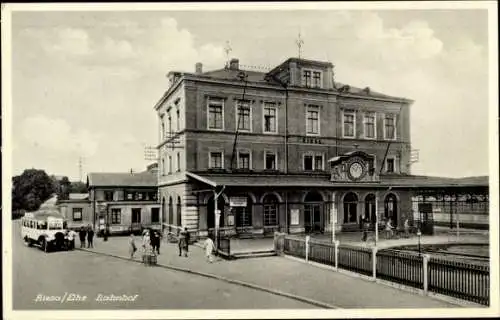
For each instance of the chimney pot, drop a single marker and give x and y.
(234, 64)
(198, 68)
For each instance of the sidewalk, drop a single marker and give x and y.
(284, 275)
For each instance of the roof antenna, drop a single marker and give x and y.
(299, 42)
(227, 49)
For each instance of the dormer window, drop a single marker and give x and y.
(312, 78)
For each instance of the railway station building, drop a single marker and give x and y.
(289, 150)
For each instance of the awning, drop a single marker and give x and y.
(323, 181)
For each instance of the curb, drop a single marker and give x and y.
(432, 295)
(232, 281)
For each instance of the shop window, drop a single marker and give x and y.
(77, 214)
(116, 216)
(270, 204)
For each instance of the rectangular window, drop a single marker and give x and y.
(162, 133)
(170, 164)
(349, 126)
(270, 160)
(244, 160)
(244, 116)
(271, 214)
(316, 79)
(306, 78)
(155, 215)
(130, 195)
(216, 160)
(169, 125)
(390, 165)
(312, 120)
(318, 162)
(77, 214)
(116, 216)
(270, 120)
(136, 215)
(178, 161)
(215, 114)
(390, 127)
(308, 163)
(108, 195)
(313, 162)
(163, 168)
(369, 129)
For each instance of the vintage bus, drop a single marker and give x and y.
(45, 228)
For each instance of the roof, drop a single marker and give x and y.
(43, 214)
(367, 92)
(261, 180)
(323, 181)
(119, 179)
(232, 74)
(78, 196)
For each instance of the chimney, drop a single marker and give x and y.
(234, 64)
(198, 68)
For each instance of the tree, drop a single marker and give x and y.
(31, 189)
(78, 187)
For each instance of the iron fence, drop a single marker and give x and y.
(400, 267)
(295, 247)
(356, 259)
(461, 280)
(322, 252)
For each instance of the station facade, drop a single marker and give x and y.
(288, 150)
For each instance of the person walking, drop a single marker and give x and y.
(388, 229)
(132, 246)
(181, 242)
(71, 239)
(407, 228)
(187, 238)
(209, 246)
(154, 240)
(90, 237)
(365, 229)
(82, 234)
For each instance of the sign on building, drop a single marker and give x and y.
(294, 216)
(238, 201)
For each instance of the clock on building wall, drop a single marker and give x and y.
(356, 168)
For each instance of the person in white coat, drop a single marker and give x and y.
(209, 246)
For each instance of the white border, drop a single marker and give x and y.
(210, 158)
(236, 106)
(266, 151)
(395, 126)
(244, 150)
(318, 107)
(365, 114)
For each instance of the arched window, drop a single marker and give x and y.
(271, 213)
(391, 208)
(243, 215)
(179, 210)
(170, 211)
(350, 207)
(370, 209)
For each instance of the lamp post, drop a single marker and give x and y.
(217, 213)
(419, 234)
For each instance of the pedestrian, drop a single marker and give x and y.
(209, 246)
(365, 229)
(90, 237)
(83, 234)
(187, 237)
(154, 240)
(132, 246)
(388, 229)
(181, 241)
(71, 239)
(146, 242)
(159, 235)
(407, 228)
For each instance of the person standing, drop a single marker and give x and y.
(181, 243)
(90, 237)
(365, 229)
(83, 234)
(407, 228)
(132, 246)
(209, 246)
(187, 238)
(71, 239)
(154, 240)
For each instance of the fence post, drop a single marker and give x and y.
(374, 263)
(426, 272)
(307, 248)
(336, 255)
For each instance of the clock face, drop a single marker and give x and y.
(356, 170)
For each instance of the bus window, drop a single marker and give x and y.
(65, 225)
(43, 225)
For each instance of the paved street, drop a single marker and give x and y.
(87, 274)
(287, 276)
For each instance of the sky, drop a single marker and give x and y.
(84, 83)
